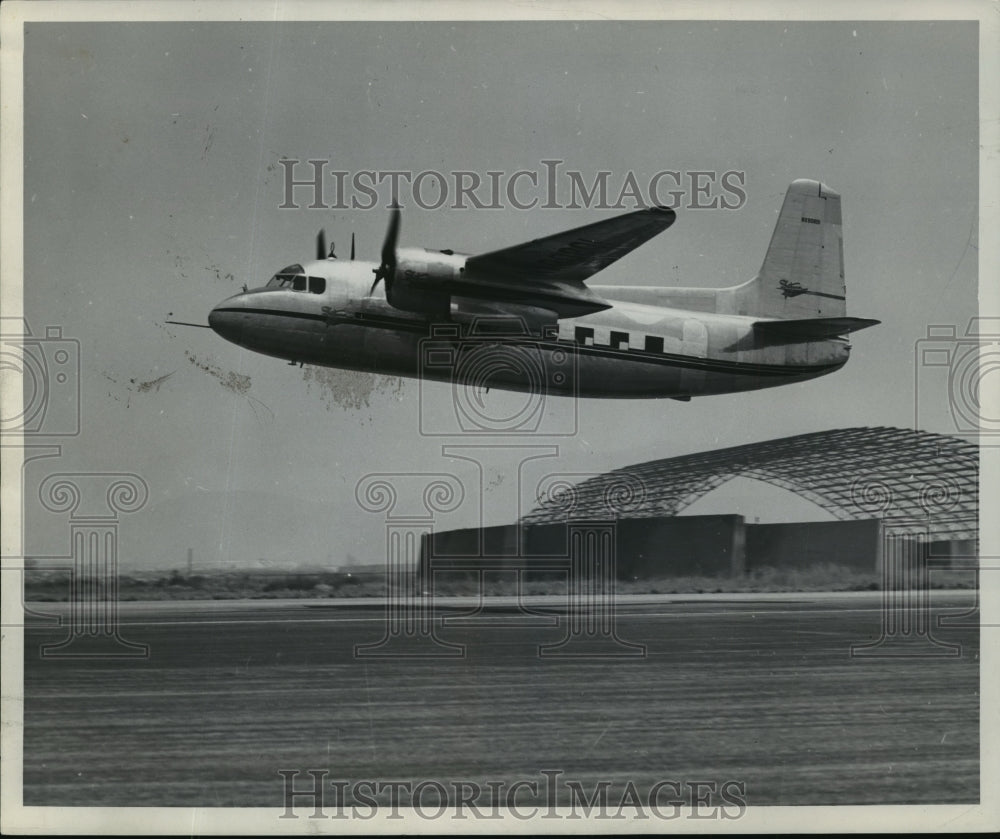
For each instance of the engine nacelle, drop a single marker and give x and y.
(427, 282)
(423, 280)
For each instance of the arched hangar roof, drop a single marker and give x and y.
(902, 476)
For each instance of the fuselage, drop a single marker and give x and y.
(651, 343)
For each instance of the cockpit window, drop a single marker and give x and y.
(285, 277)
(293, 277)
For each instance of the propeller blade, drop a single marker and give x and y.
(387, 269)
(391, 237)
(352, 247)
(321, 245)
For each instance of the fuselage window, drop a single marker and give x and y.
(619, 340)
(654, 344)
(317, 285)
(585, 335)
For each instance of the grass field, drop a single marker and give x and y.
(54, 586)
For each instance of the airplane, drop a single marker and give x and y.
(522, 318)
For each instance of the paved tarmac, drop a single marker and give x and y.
(760, 690)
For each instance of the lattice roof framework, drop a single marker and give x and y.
(904, 477)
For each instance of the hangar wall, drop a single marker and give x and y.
(853, 544)
(700, 545)
(711, 546)
(476, 541)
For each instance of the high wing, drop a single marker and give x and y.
(574, 255)
(543, 278)
(550, 272)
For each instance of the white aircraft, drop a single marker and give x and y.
(521, 318)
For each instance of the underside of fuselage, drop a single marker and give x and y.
(608, 354)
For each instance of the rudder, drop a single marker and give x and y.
(803, 271)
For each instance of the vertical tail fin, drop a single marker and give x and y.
(803, 271)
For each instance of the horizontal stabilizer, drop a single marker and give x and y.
(813, 327)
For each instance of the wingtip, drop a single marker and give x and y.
(666, 214)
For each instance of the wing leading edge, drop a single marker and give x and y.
(574, 255)
(550, 272)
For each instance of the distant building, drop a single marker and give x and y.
(878, 483)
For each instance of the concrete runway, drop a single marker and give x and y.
(759, 689)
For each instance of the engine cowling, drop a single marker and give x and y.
(423, 280)
(427, 282)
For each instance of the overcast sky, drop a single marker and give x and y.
(152, 186)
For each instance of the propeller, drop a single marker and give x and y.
(387, 269)
(321, 245)
(352, 247)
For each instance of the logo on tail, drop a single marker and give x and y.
(793, 289)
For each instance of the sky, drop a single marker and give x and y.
(152, 186)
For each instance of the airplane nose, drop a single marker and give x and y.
(226, 320)
(218, 320)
